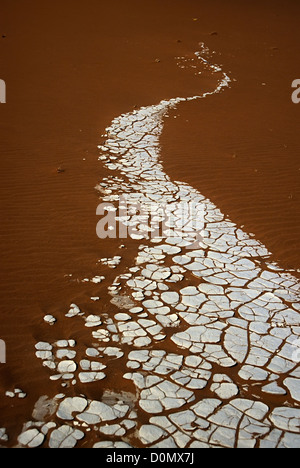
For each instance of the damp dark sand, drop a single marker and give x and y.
(68, 75)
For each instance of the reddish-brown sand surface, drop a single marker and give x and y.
(70, 67)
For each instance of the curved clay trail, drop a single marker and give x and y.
(210, 334)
